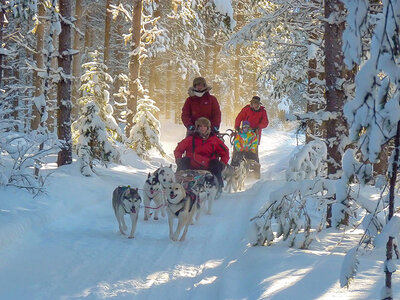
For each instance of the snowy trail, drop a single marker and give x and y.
(78, 253)
(73, 249)
(85, 246)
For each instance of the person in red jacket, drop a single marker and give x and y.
(255, 114)
(201, 103)
(203, 151)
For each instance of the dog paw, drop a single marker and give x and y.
(182, 239)
(156, 218)
(131, 237)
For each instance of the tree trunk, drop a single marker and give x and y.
(236, 88)
(2, 17)
(107, 34)
(335, 96)
(64, 86)
(392, 193)
(76, 59)
(311, 107)
(88, 32)
(237, 83)
(168, 93)
(134, 64)
(39, 64)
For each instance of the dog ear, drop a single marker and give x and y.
(170, 166)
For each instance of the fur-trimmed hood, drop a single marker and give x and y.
(192, 92)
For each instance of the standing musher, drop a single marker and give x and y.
(201, 103)
(255, 116)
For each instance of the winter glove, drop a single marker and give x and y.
(237, 128)
(216, 129)
(191, 128)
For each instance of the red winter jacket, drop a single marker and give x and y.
(257, 118)
(205, 106)
(204, 150)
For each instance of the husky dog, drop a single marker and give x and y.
(166, 176)
(240, 175)
(199, 190)
(211, 188)
(228, 176)
(152, 191)
(126, 200)
(182, 206)
(235, 176)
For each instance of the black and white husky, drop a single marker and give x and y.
(126, 200)
(166, 176)
(181, 205)
(211, 188)
(153, 197)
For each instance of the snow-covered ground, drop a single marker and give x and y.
(66, 244)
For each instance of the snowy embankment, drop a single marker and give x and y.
(66, 244)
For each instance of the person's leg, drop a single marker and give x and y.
(183, 164)
(216, 167)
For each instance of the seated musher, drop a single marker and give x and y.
(245, 144)
(203, 151)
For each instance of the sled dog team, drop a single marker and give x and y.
(162, 194)
(201, 149)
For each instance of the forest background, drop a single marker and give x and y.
(93, 77)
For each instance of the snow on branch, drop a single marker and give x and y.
(308, 163)
(291, 207)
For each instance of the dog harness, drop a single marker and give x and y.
(192, 199)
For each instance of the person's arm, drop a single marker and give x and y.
(216, 113)
(180, 149)
(186, 114)
(223, 152)
(239, 118)
(264, 119)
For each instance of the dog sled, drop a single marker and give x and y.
(194, 179)
(188, 178)
(245, 147)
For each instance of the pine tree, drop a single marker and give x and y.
(145, 132)
(93, 139)
(95, 87)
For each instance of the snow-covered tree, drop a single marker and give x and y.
(92, 143)
(374, 113)
(95, 87)
(294, 206)
(145, 133)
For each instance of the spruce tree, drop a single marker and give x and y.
(145, 132)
